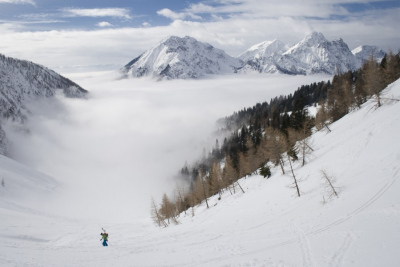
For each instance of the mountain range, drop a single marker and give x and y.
(182, 58)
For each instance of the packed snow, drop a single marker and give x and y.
(268, 225)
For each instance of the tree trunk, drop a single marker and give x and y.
(294, 176)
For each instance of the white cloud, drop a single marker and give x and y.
(201, 8)
(146, 24)
(170, 14)
(177, 16)
(97, 12)
(269, 9)
(104, 24)
(31, 2)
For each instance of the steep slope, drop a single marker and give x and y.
(364, 52)
(23, 81)
(262, 57)
(181, 58)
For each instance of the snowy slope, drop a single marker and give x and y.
(268, 225)
(181, 58)
(24, 196)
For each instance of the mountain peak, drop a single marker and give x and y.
(173, 40)
(314, 38)
(181, 58)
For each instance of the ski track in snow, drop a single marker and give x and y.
(337, 258)
(378, 194)
(306, 250)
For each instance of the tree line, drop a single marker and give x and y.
(275, 134)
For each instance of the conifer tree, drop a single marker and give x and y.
(390, 67)
(373, 79)
(215, 178)
(230, 175)
(329, 183)
(275, 147)
(201, 189)
(265, 171)
(322, 118)
(168, 209)
(302, 140)
(180, 198)
(156, 216)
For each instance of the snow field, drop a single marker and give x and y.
(268, 225)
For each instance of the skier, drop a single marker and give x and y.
(104, 237)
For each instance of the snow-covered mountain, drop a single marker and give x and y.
(313, 54)
(22, 81)
(262, 57)
(364, 52)
(181, 58)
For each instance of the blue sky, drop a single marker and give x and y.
(66, 34)
(78, 14)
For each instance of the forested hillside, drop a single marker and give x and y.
(276, 134)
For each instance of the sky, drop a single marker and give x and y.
(79, 36)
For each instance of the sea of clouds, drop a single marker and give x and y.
(128, 140)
